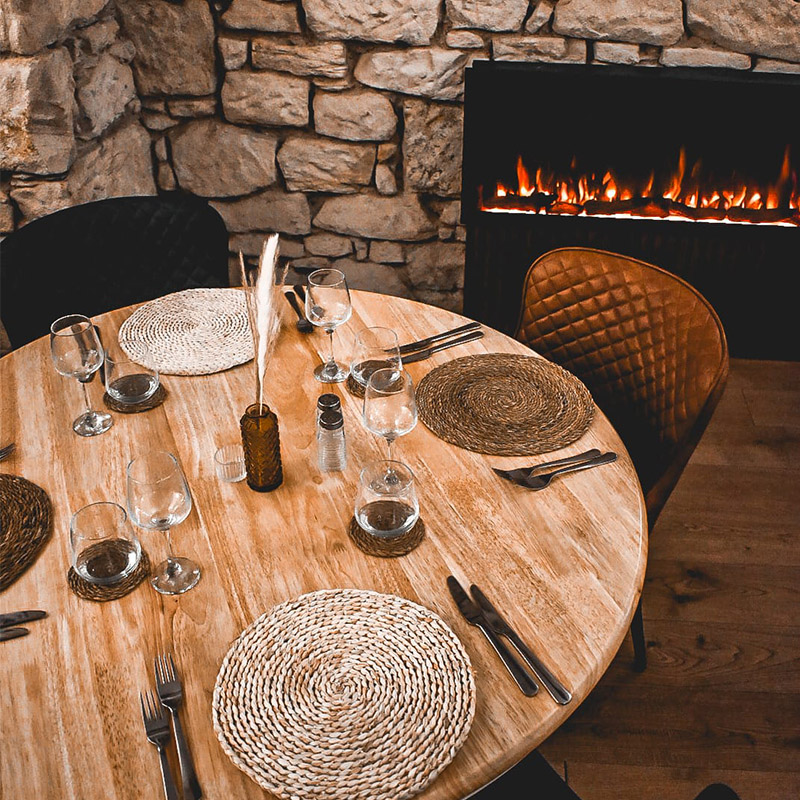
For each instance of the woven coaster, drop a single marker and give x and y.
(25, 526)
(101, 594)
(354, 387)
(193, 332)
(504, 405)
(155, 400)
(344, 694)
(386, 548)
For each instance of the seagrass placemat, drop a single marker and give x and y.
(505, 405)
(382, 546)
(102, 594)
(193, 332)
(344, 694)
(25, 526)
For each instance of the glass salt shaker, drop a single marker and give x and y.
(328, 402)
(331, 447)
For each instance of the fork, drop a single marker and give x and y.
(156, 727)
(521, 473)
(170, 693)
(537, 482)
(6, 451)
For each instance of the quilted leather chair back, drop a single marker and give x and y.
(648, 346)
(92, 258)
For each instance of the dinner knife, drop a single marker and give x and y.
(475, 616)
(12, 633)
(555, 688)
(428, 352)
(517, 475)
(412, 347)
(18, 617)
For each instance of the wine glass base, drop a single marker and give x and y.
(92, 423)
(183, 575)
(331, 372)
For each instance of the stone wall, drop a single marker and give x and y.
(336, 122)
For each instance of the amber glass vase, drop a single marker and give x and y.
(262, 448)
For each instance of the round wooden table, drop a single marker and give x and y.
(565, 565)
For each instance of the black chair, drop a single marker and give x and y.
(92, 258)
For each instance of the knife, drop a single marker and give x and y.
(300, 292)
(18, 617)
(423, 343)
(423, 354)
(475, 616)
(554, 687)
(12, 633)
(517, 475)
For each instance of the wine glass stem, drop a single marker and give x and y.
(86, 397)
(333, 358)
(171, 565)
(389, 441)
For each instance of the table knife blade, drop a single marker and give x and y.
(18, 617)
(12, 633)
(475, 616)
(554, 687)
(421, 355)
(421, 344)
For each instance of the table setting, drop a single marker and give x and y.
(337, 510)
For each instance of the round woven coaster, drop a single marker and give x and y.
(155, 400)
(193, 332)
(344, 694)
(386, 548)
(505, 405)
(354, 387)
(101, 594)
(25, 526)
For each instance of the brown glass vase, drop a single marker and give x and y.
(262, 448)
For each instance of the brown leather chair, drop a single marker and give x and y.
(648, 346)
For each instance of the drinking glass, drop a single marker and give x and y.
(129, 381)
(386, 508)
(389, 406)
(77, 353)
(229, 463)
(104, 547)
(328, 307)
(158, 498)
(374, 349)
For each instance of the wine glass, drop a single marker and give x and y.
(77, 353)
(328, 307)
(158, 498)
(389, 406)
(374, 349)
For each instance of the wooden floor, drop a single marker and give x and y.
(720, 699)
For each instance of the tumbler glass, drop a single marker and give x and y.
(386, 504)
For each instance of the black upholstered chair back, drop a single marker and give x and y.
(93, 258)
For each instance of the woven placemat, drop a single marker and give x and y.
(504, 405)
(154, 401)
(383, 547)
(25, 526)
(102, 594)
(354, 387)
(344, 694)
(193, 332)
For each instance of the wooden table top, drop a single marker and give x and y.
(565, 565)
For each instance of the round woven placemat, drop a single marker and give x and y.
(344, 694)
(354, 387)
(154, 401)
(504, 405)
(25, 526)
(102, 594)
(193, 332)
(383, 547)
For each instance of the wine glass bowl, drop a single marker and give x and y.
(328, 306)
(390, 409)
(375, 348)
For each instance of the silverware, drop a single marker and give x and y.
(427, 353)
(18, 617)
(556, 689)
(516, 475)
(300, 292)
(7, 450)
(537, 482)
(156, 727)
(12, 633)
(170, 693)
(412, 347)
(303, 325)
(476, 617)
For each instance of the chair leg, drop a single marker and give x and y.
(637, 634)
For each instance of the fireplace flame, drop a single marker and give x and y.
(681, 196)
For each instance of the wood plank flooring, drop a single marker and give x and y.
(720, 698)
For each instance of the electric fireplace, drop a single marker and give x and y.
(694, 170)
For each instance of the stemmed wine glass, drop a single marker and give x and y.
(390, 409)
(158, 498)
(77, 353)
(328, 307)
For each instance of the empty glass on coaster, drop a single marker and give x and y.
(158, 498)
(375, 348)
(129, 381)
(104, 547)
(77, 353)
(390, 409)
(386, 505)
(328, 307)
